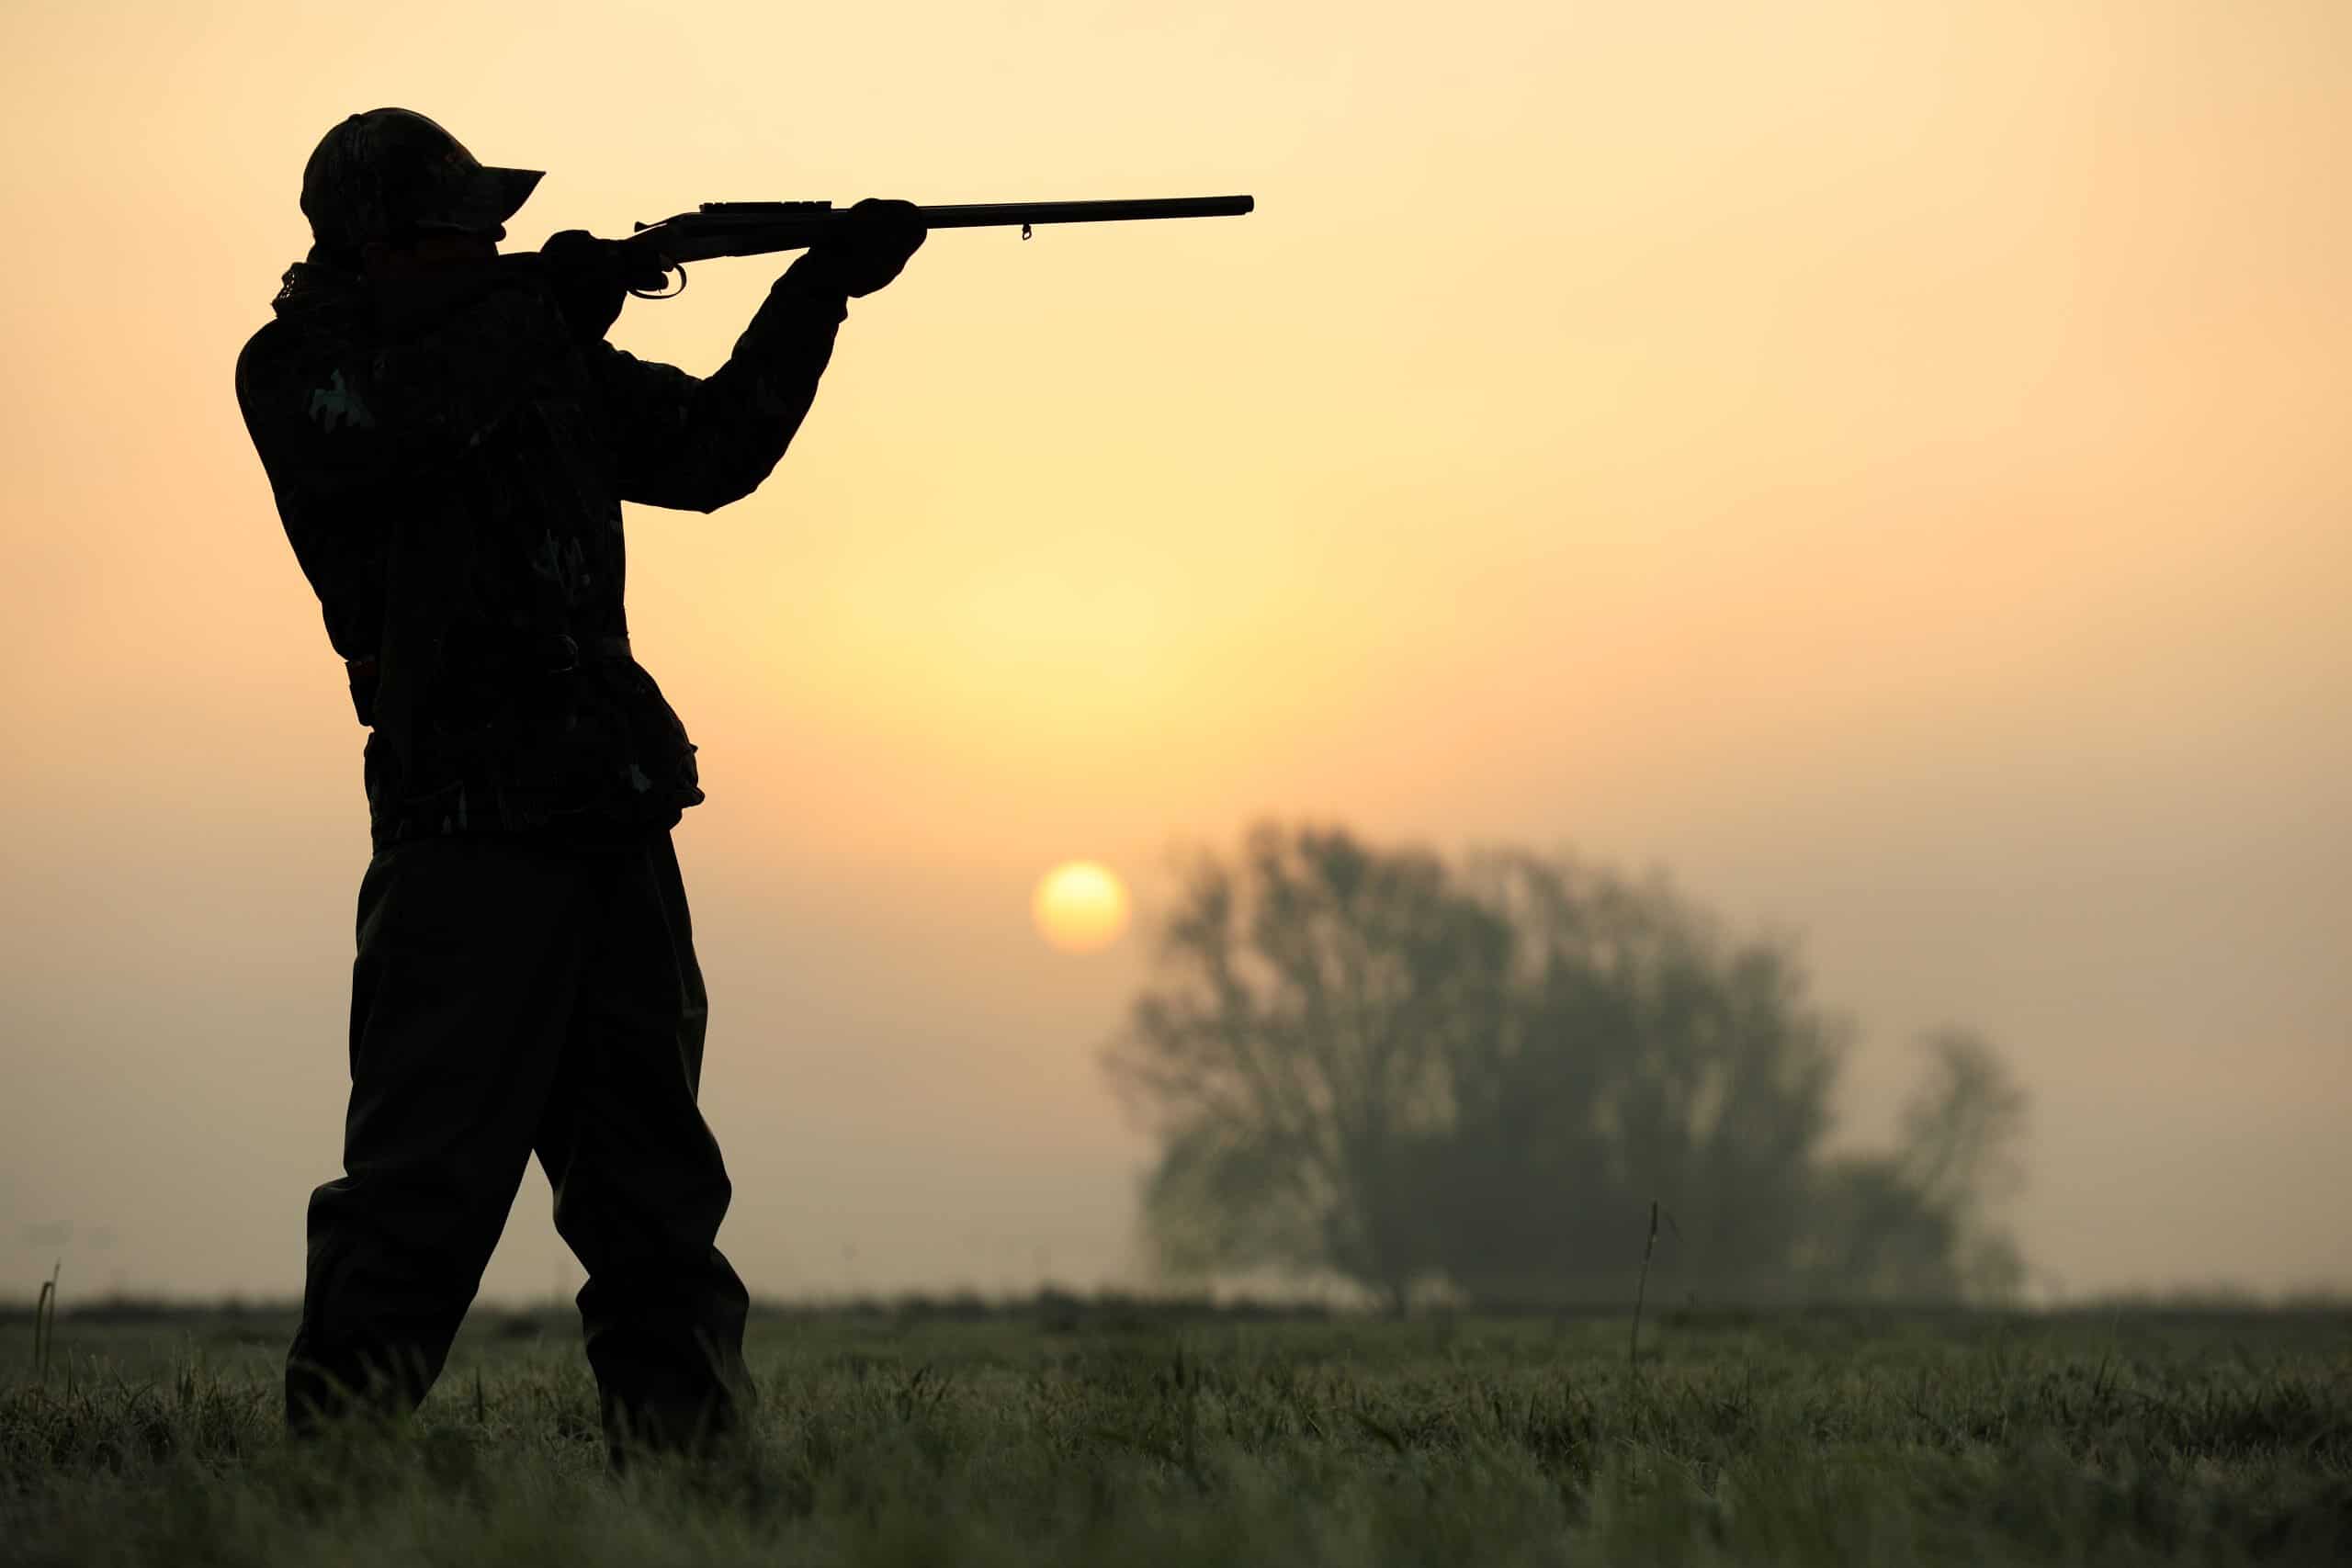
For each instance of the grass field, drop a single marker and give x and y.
(1094, 1438)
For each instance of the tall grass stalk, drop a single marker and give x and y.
(45, 1321)
(1641, 1289)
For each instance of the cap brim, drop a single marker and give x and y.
(490, 197)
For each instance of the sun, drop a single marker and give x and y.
(1081, 907)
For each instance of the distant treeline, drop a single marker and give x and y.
(1471, 1082)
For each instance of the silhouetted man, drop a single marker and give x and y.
(450, 439)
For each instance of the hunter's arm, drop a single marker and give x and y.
(697, 443)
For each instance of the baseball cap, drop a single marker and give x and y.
(390, 173)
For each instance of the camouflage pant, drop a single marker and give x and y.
(514, 995)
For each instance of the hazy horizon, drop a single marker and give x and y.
(1882, 464)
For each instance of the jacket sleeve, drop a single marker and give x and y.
(695, 442)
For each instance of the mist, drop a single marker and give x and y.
(1883, 466)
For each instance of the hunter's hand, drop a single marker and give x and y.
(589, 279)
(872, 249)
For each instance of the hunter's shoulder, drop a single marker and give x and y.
(277, 361)
(271, 344)
(266, 363)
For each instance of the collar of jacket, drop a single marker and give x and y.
(311, 285)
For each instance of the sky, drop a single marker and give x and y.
(1882, 463)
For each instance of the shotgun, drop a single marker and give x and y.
(763, 228)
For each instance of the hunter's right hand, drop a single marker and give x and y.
(589, 279)
(872, 249)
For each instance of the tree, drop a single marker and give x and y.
(1364, 1061)
(1917, 1224)
(1295, 1056)
(1639, 1056)
(1960, 1148)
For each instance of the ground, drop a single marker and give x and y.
(1052, 1435)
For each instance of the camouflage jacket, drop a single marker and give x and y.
(450, 465)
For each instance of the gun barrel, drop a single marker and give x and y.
(763, 228)
(986, 214)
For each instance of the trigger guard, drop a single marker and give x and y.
(663, 294)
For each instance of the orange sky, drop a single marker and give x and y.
(1883, 462)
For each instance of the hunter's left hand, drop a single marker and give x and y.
(871, 248)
